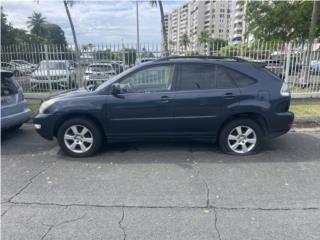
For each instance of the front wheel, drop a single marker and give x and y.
(79, 137)
(240, 137)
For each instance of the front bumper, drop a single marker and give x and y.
(46, 122)
(280, 123)
(15, 119)
(63, 83)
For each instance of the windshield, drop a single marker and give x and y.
(112, 80)
(53, 65)
(99, 68)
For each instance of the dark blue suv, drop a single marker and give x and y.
(232, 101)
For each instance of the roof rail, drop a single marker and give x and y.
(202, 57)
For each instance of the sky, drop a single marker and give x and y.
(95, 21)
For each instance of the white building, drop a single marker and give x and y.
(196, 16)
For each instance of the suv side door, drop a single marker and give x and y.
(205, 95)
(144, 106)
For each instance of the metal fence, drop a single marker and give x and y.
(49, 69)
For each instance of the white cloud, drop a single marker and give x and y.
(95, 21)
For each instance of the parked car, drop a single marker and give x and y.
(9, 67)
(231, 101)
(14, 109)
(59, 73)
(23, 67)
(98, 73)
(143, 60)
(315, 67)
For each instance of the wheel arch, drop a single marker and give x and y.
(254, 116)
(76, 115)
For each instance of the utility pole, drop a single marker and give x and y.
(138, 38)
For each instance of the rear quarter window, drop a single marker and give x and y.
(241, 79)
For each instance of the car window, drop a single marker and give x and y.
(223, 78)
(153, 79)
(196, 77)
(53, 65)
(100, 68)
(241, 79)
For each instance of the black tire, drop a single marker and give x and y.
(94, 129)
(15, 127)
(229, 127)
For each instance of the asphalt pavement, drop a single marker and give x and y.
(185, 190)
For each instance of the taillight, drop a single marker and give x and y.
(284, 91)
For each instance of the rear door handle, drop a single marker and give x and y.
(229, 95)
(164, 99)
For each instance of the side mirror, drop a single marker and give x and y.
(115, 89)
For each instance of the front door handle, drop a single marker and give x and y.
(229, 95)
(164, 99)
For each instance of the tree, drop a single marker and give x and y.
(54, 34)
(280, 20)
(204, 37)
(154, 3)
(7, 36)
(216, 44)
(36, 24)
(184, 41)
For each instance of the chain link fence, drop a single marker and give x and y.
(50, 69)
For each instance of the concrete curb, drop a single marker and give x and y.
(307, 122)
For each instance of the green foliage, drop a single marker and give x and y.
(36, 24)
(47, 33)
(204, 37)
(280, 20)
(54, 34)
(184, 41)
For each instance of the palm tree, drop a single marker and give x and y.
(36, 23)
(184, 41)
(203, 38)
(66, 4)
(154, 3)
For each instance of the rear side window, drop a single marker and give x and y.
(241, 79)
(196, 77)
(223, 78)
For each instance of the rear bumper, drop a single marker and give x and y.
(45, 125)
(15, 119)
(280, 123)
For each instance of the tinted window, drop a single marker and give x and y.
(241, 79)
(223, 78)
(100, 68)
(196, 76)
(152, 79)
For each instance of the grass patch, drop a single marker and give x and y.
(304, 110)
(34, 107)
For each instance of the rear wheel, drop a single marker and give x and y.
(240, 137)
(79, 137)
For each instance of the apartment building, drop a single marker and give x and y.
(196, 16)
(239, 21)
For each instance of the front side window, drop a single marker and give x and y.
(153, 79)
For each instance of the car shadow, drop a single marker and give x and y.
(297, 147)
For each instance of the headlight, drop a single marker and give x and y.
(45, 105)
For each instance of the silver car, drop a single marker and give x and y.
(98, 73)
(14, 108)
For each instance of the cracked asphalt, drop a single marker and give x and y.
(160, 191)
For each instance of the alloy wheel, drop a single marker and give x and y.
(78, 139)
(242, 139)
